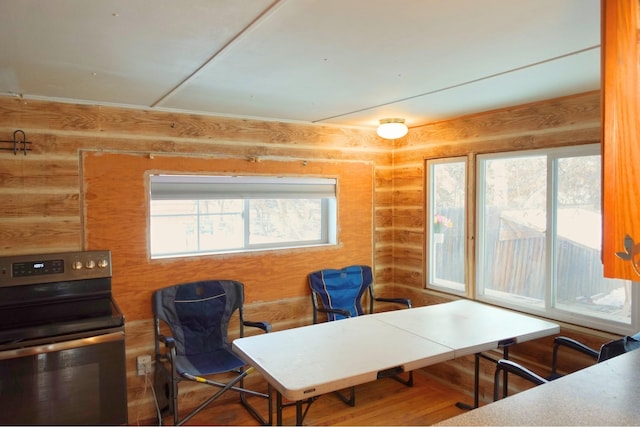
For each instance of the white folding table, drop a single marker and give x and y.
(304, 362)
(469, 327)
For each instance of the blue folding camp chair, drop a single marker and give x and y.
(196, 346)
(339, 294)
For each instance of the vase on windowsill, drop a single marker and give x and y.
(440, 224)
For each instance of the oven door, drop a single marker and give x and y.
(80, 381)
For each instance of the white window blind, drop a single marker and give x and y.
(188, 187)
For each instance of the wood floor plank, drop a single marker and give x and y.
(383, 402)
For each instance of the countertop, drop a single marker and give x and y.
(607, 393)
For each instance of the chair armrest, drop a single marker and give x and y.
(515, 368)
(169, 342)
(508, 366)
(575, 345)
(345, 313)
(403, 301)
(265, 326)
(572, 344)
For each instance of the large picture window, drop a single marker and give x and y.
(194, 214)
(537, 237)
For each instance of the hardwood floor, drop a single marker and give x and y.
(383, 402)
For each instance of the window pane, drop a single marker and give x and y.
(447, 188)
(221, 225)
(513, 229)
(580, 283)
(191, 226)
(285, 220)
(173, 226)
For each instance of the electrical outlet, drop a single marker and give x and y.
(144, 364)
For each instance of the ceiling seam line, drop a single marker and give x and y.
(459, 84)
(217, 53)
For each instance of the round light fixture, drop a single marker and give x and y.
(392, 128)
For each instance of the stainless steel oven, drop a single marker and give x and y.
(62, 348)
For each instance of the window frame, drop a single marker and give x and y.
(431, 281)
(473, 213)
(245, 188)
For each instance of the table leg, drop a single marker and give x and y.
(278, 408)
(299, 416)
(476, 381)
(505, 386)
(476, 385)
(504, 344)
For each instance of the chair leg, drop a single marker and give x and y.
(209, 400)
(170, 388)
(496, 385)
(554, 362)
(173, 397)
(229, 386)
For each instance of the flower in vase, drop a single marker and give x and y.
(440, 223)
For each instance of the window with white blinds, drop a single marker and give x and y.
(197, 214)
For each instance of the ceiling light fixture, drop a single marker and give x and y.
(392, 128)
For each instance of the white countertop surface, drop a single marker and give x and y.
(607, 393)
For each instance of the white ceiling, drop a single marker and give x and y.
(342, 62)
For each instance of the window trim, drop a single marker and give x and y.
(429, 199)
(247, 187)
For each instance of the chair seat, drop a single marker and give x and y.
(208, 363)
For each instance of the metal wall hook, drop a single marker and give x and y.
(19, 137)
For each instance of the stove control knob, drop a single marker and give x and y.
(77, 265)
(103, 263)
(90, 264)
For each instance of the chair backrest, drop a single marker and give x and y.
(617, 347)
(198, 313)
(341, 289)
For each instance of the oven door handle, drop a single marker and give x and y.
(59, 346)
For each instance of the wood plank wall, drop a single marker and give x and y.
(44, 199)
(564, 121)
(48, 200)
